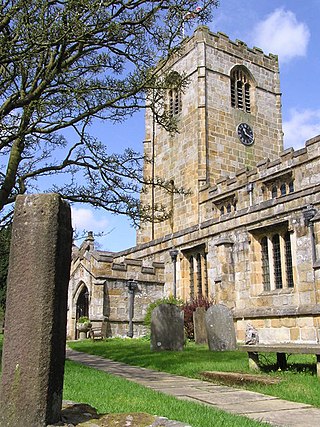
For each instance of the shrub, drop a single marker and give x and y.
(83, 319)
(166, 300)
(188, 308)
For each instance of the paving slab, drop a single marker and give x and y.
(275, 411)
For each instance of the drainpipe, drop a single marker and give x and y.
(174, 253)
(132, 285)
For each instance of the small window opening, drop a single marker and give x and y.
(283, 189)
(291, 187)
(274, 192)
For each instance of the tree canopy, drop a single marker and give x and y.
(65, 64)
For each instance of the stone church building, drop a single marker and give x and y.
(246, 235)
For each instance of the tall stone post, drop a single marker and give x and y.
(36, 312)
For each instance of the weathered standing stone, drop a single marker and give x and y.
(35, 329)
(167, 328)
(220, 328)
(199, 322)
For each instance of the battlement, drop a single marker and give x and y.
(266, 171)
(237, 48)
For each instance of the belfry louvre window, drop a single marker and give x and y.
(276, 261)
(174, 93)
(240, 90)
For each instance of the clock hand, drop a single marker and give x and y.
(247, 134)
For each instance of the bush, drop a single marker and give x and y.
(188, 308)
(83, 319)
(166, 300)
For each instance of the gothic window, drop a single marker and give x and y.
(283, 189)
(225, 205)
(274, 192)
(281, 185)
(291, 187)
(276, 260)
(175, 105)
(197, 264)
(174, 101)
(240, 89)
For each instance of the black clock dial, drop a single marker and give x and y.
(245, 134)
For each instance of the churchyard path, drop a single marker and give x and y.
(253, 405)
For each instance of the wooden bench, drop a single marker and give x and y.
(281, 350)
(96, 333)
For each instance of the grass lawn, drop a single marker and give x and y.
(110, 394)
(299, 383)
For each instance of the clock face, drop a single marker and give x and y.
(245, 134)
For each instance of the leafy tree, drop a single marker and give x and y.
(64, 63)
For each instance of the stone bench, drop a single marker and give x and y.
(281, 350)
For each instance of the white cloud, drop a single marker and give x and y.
(301, 126)
(281, 33)
(88, 219)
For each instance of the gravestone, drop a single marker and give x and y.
(199, 323)
(36, 312)
(220, 328)
(167, 328)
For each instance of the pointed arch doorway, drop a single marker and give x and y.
(82, 305)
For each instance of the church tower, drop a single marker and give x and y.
(229, 118)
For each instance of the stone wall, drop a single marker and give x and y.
(106, 282)
(207, 145)
(232, 246)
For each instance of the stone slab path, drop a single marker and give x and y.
(253, 405)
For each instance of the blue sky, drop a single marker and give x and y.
(287, 28)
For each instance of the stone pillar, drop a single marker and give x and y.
(35, 329)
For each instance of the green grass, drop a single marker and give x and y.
(299, 383)
(110, 394)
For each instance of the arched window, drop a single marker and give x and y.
(175, 105)
(241, 89)
(291, 187)
(283, 189)
(173, 81)
(274, 192)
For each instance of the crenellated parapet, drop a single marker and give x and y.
(106, 265)
(294, 170)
